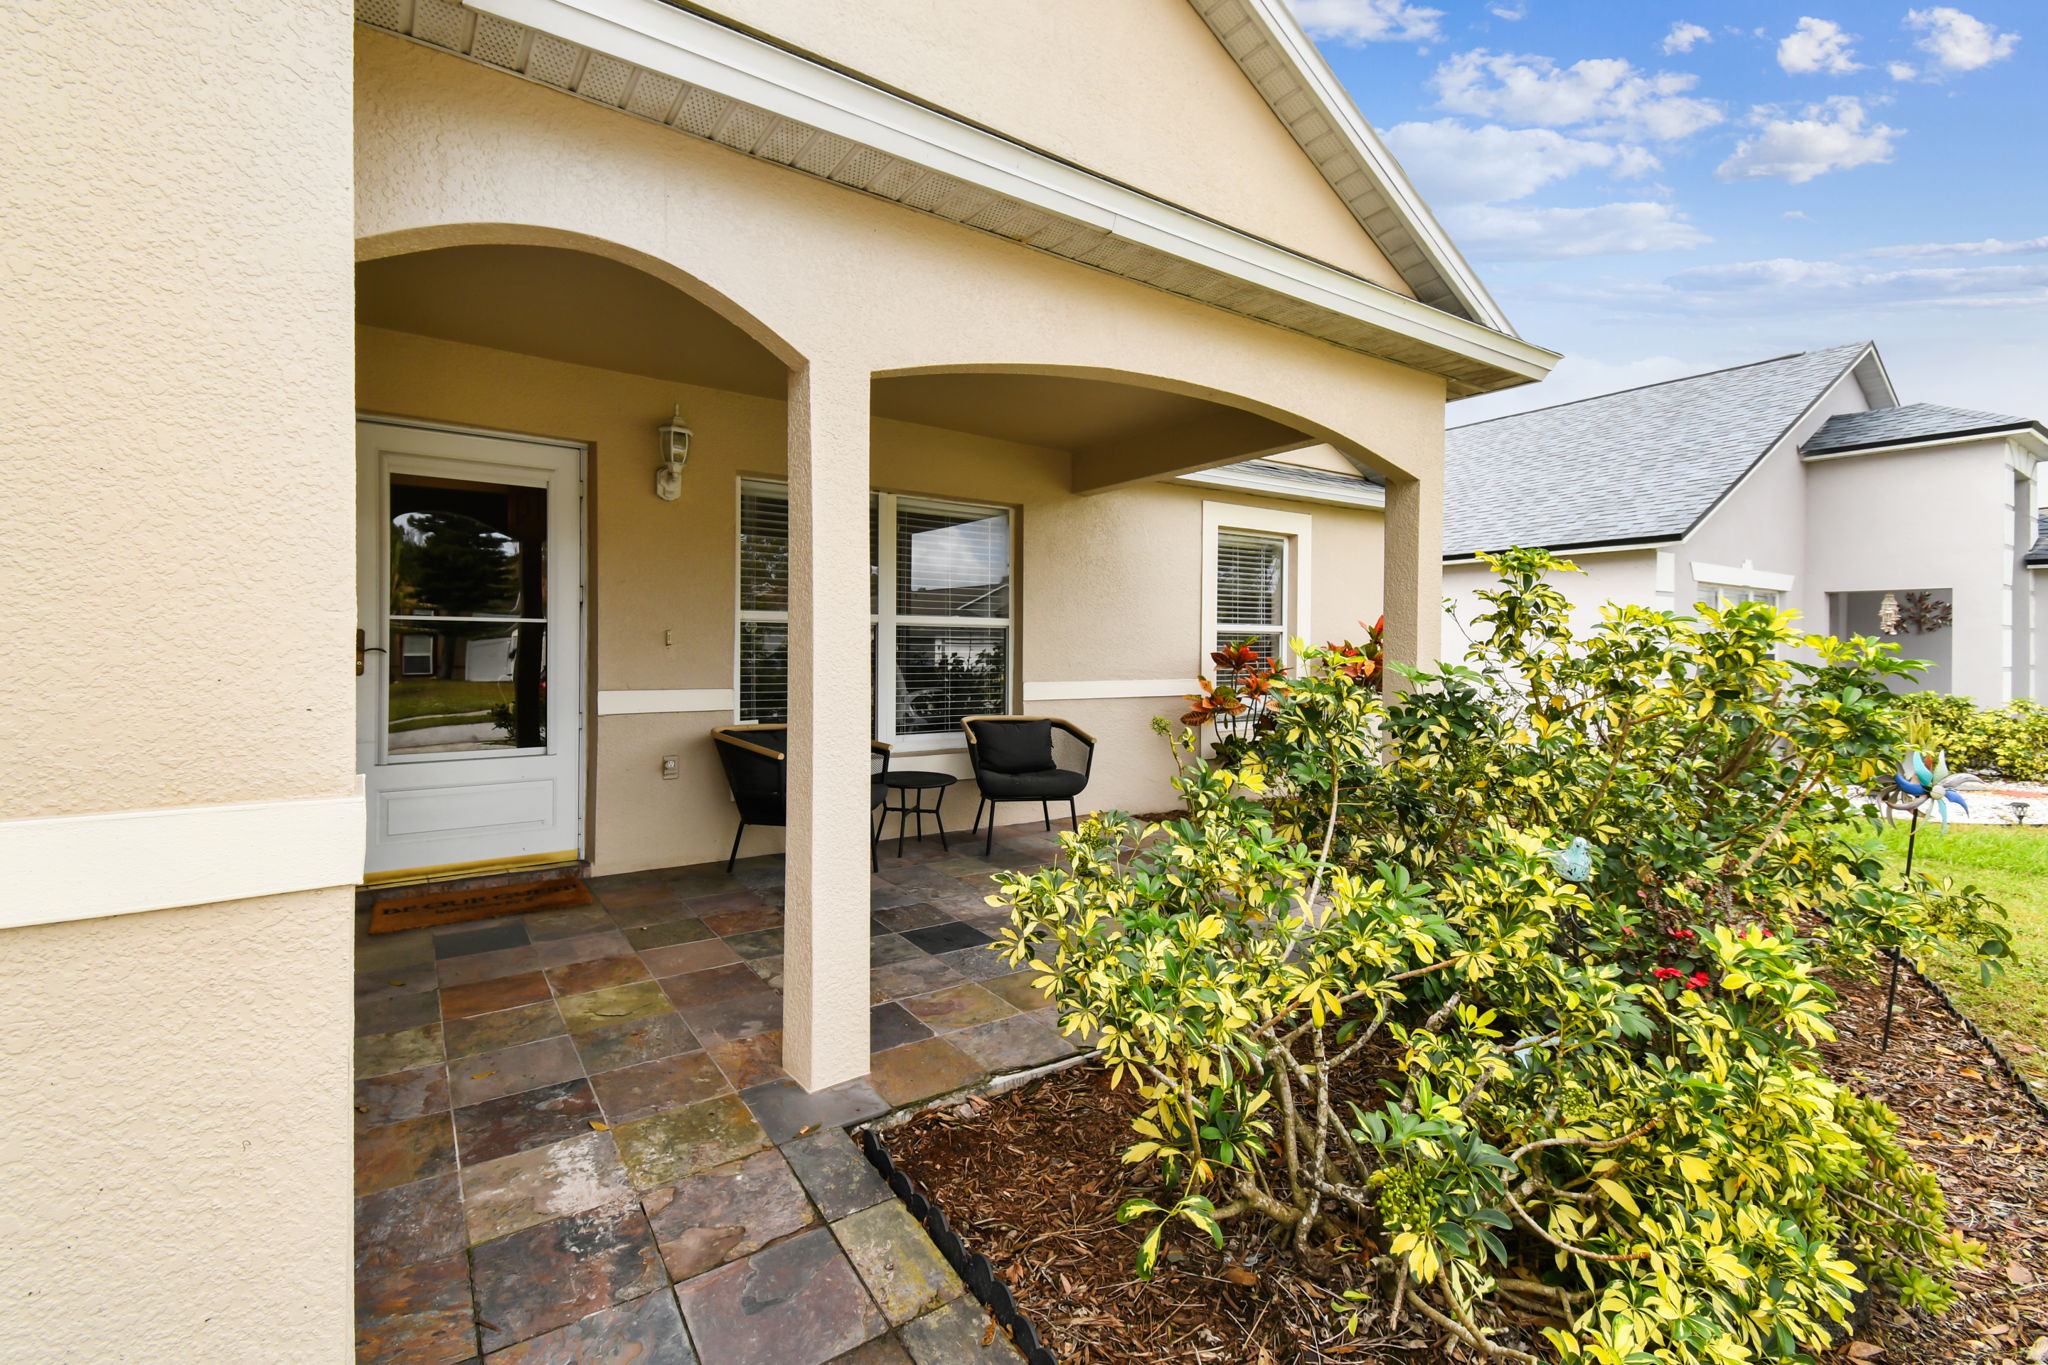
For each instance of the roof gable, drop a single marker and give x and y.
(1641, 465)
(1852, 431)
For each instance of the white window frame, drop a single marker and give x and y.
(406, 655)
(884, 618)
(1295, 529)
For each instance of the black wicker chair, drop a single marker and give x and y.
(757, 769)
(1015, 758)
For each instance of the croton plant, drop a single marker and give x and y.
(1509, 986)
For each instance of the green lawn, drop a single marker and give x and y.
(2011, 866)
(412, 697)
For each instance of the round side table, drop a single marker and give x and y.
(909, 788)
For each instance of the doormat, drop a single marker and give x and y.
(427, 907)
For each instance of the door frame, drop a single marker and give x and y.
(582, 635)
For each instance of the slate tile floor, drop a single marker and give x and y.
(575, 1144)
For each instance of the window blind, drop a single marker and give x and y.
(946, 672)
(1250, 576)
(941, 602)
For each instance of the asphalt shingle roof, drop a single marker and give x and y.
(1302, 474)
(1642, 464)
(1913, 422)
(2039, 554)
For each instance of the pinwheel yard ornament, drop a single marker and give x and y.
(1910, 789)
(1915, 785)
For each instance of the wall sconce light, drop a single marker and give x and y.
(675, 453)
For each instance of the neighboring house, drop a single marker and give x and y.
(1799, 481)
(966, 309)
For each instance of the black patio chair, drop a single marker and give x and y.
(755, 758)
(1016, 758)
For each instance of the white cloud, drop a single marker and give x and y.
(1683, 36)
(1798, 215)
(1990, 246)
(1604, 96)
(1818, 45)
(1831, 136)
(1901, 71)
(1368, 21)
(1453, 163)
(1785, 286)
(1958, 41)
(1506, 233)
(1509, 12)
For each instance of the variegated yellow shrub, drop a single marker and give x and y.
(1510, 983)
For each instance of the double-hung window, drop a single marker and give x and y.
(1255, 582)
(1251, 590)
(940, 598)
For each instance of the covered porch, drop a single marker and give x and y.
(859, 553)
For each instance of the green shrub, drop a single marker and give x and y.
(1509, 986)
(2010, 742)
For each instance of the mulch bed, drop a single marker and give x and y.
(1031, 1179)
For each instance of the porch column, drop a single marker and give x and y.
(825, 935)
(1414, 569)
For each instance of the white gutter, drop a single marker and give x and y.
(708, 55)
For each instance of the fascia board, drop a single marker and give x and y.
(1322, 85)
(707, 54)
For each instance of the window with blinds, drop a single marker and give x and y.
(1251, 585)
(940, 598)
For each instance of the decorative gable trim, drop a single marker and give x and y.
(1305, 95)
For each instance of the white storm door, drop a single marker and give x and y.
(469, 703)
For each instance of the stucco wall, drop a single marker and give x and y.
(175, 186)
(1109, 584)
(1146, 95)
(1763, 521)
(1614, 576)
(1859, 505)
(177, 385)
(177, 1135)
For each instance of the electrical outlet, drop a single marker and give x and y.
(671, 768)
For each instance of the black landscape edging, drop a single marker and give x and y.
(2012, 1073)
(973, 1268)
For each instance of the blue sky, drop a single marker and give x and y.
(1657, 188)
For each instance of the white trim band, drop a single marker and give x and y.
(661, 701)
(1747, 576)
(1112, 689)
(72, 867)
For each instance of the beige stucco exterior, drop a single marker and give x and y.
(1147, 95)
(176, 554)
(185, 210)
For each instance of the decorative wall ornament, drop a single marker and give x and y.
(1914, 613)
